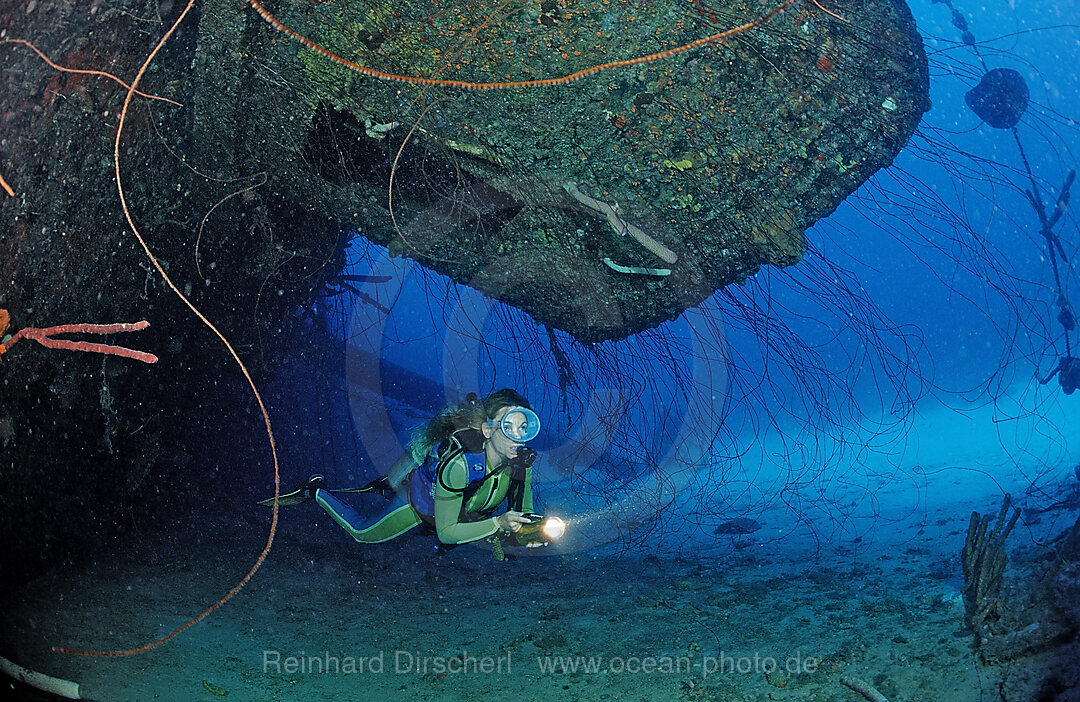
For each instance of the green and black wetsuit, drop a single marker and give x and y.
(455, 492)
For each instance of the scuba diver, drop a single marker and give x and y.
(461, 466)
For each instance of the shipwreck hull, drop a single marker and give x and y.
(247, 185)
(723, 154)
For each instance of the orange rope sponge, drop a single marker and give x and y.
(537, 83)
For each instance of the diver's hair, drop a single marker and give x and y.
(473, 412)
(507, 397)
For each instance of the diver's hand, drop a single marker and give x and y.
(511, 521)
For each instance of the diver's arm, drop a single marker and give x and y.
(448, 508)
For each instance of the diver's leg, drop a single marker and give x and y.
(396, 522)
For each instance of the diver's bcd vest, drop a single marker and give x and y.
(423, 481)
(467, 443)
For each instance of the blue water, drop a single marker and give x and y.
(938, 260)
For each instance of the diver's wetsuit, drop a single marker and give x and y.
(457, 516)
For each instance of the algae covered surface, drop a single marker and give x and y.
(723, 154)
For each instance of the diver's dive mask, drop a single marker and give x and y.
(519, 424)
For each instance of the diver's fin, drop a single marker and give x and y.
(306, 492)
(298, 496)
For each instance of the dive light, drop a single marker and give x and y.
(539, 530)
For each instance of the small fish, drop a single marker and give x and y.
(742, 525)
(214, 689)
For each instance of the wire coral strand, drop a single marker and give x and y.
(208, 323)
(536, 83)
(84, 71)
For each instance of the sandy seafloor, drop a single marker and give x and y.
(886, 609)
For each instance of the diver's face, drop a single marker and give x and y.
(504, 447)
(514, 425)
